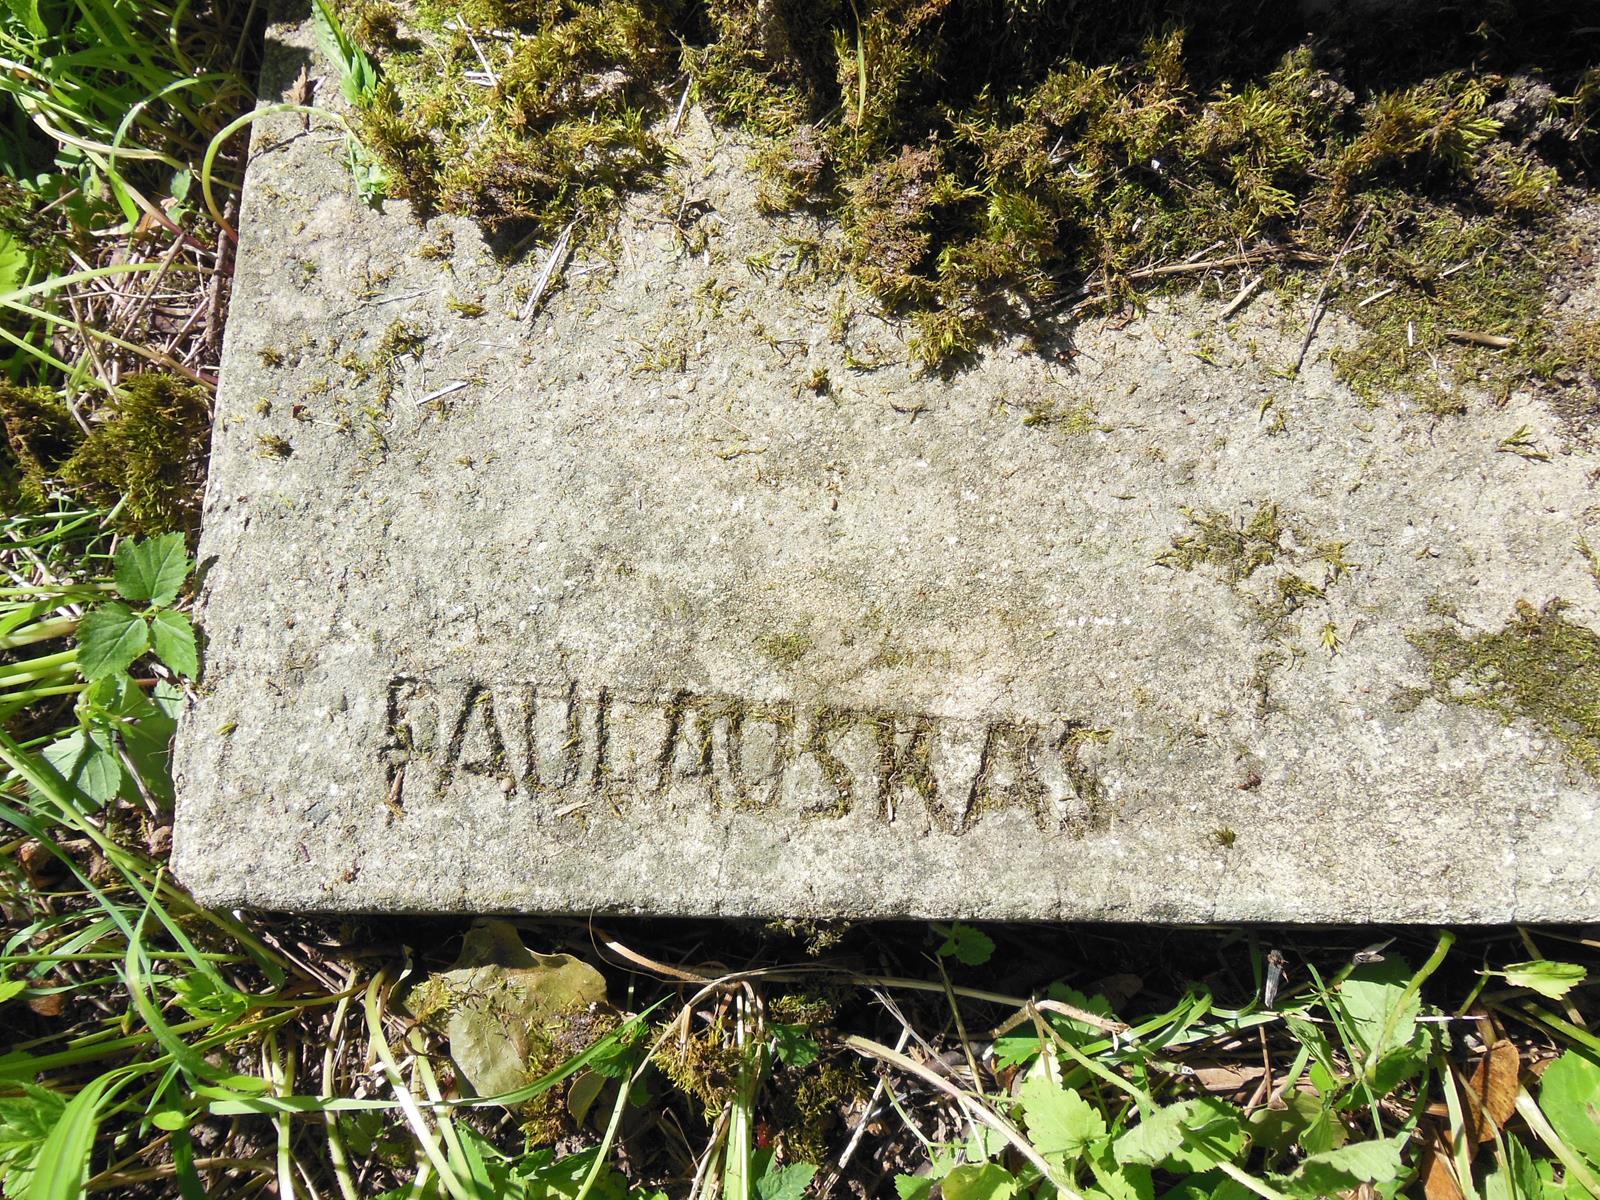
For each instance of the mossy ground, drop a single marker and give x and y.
(1539, 667)
(992, 163)
(147, 448)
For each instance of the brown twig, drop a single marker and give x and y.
(1321, 305)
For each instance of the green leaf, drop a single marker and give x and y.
(1515, 1177)
(174, 641)
(209, 998)
(358, 78)
(25, 1123)
(914, 1187)
(1380, 1011)
(13, 262)
(63, 1159)
(1119, 1181)
(1333, 1171)
(110, 638)
(1569, 1095)
(793, 1045)
(965, 944)
(1552, 979)
(785, 1183)
(974, 1181)
(1059, 1120)
(1020, 1048)
(10, 989)
(1193, 1135)
(26, 14)
(88, 762)
(146, 731)
(563, 1178)
(153, 569)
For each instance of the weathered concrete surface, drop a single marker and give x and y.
(619, 608)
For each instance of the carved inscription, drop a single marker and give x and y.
(579, 752)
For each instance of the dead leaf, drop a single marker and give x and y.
(511, 1014)
(302, 89)
(1438, 1175)
(1492, 1091)
(51, 1004)
(1227, 1079)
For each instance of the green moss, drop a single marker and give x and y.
(784, 649)
(1086, 144)
(1538, 667)
(1234, 544)
(40, 436)
(148, 448)
(808, 1105)
(1438, 274)
(521, 114)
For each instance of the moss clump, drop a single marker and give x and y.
(1440, 277)
(808, 1103)
(1234, 544)
(1539, 667)
(146, 448)
(520, 114)
(705, 1064)
(1084, 148)
(40, 435)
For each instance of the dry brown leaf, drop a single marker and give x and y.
(1438, 1177)
(1491, 1093)
(302, 89)
(1224, 1080)
(51, 1004)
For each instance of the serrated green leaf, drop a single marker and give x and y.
(110, 638)
(13, 261)
(1333, 1171)
(975, 1181)
(1515, 1177)
(25, 1123)
(786, 1182)
(1119, 1181)
(1569, 1096)
(173, 636)
(26, 14)
(1058, 1119)
(1380, 1012)
(1193, 1135)
(88, 762)
(793, 1045)
(965, 944)
(153, 569)
(1552, 979)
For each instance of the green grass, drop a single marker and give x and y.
(150, 1047)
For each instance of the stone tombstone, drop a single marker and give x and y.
(677, 590)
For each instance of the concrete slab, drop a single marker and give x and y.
(685, 594)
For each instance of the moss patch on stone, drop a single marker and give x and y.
(1235, 544)
(520, 114)
(994, 163)
(1538, 667)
